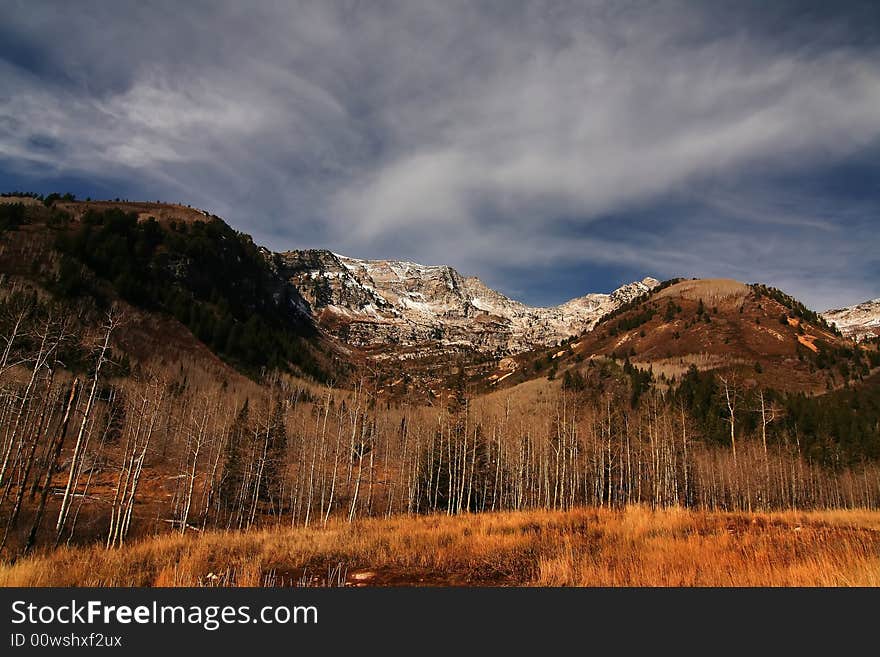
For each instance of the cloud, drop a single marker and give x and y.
(593, 128)
(479, 134)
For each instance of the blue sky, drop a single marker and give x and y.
(551, 148)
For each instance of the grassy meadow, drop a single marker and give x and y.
(635, 546)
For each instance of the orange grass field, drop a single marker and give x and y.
(581, 547)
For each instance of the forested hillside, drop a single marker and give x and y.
(118, 420)
(212, 279)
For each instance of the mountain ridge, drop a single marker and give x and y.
(371, 302)
(860, 321)
(427, 325)
(752, 334)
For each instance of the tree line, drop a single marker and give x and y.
(103, 453)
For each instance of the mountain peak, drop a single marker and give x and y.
(398, 302)
(858, 322)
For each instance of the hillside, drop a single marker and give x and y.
(191, 275)
(766, 337)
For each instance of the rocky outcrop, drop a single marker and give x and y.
(385, 302)
(857, 322)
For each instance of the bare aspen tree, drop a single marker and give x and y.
(109, 326)
(49, 468)
(108, 425)
(768, 413)
(137, 444)
(40, 359)
(55, 335)
(196, 441)
(15, 331)
(29, 460)
(684, 446)
(361, 449)
(730, 399)
(212, 485)
(335, 466)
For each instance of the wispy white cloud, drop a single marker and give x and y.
(461, 132)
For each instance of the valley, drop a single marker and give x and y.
(168, 385)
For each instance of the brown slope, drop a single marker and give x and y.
(149, 336)
(162, 212)
(716, 324)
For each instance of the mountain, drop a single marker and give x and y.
(311, 312)
(387, 302)
(857, 322)
(758, 333)
(170, 266)
(193, 279)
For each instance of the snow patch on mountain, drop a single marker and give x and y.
(857, 322)
(391, 302)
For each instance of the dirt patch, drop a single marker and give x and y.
(807, 341)
(340, 576)
(396, 576)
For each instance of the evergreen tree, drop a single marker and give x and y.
(233, 468)
(276, 451)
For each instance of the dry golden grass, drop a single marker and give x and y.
(711, 290)
(24, 200)
(144, 209)
(529, 397)
(676, 366)
(581, 547)
(680, 548)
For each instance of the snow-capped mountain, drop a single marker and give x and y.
(858, 322)
(384, 302)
